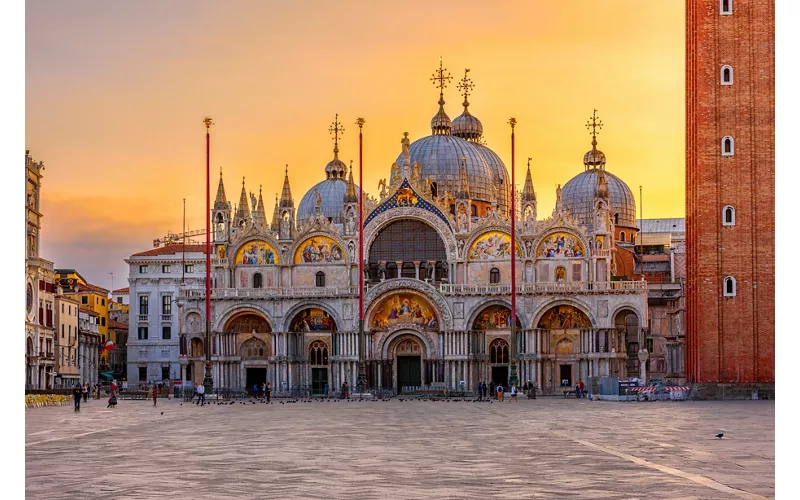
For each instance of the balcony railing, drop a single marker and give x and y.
(144, 318)
(236, 293)
(166, 318)
(566, 287)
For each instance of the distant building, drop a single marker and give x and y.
(155, 278)
(88, 345)
(40, 289)
(66, 342)
(118, 356)
(661, 260)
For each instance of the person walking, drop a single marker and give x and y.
(76, 397)
(500, 392)
(480, 391)
(85, 392)
(582, 388)
(155, 393)
(201, 394)
(514, 393)
(268, 391)
(492, 389)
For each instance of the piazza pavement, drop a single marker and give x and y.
(544, 448)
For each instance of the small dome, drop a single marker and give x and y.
(335, 169)
(467, 126)
(440, 123)
(578, 197)
(594, 158)
(332, 192)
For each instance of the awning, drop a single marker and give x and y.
(106, 375)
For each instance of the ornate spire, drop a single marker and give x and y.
(221, 202)
(594, 158)
(463, 184)
(350, 195)
(528, 194)
(335, 169)
(260, 215)
(276, 219)
(286, 195)
(441, 124)
(243, 212)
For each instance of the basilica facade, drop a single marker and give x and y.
(437, 274)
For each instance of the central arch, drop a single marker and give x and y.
(407, 241)
(247, 322)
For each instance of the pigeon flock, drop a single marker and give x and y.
(253, 401)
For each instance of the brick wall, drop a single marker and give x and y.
(730, 339)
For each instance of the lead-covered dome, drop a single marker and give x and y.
(332, 193)
(578, 197)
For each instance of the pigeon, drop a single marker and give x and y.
(719, 436)
(162, 412)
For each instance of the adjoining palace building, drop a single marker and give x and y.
(437, 250)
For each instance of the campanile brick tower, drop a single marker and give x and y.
(730, 196)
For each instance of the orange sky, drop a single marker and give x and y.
(116, 93)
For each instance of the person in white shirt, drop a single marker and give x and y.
(514, 393)
(201, 394)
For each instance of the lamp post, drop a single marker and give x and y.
(208, 382)
(362, 369)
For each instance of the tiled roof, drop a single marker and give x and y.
(674, 225)
(112, 323)
(171, 249)
(121, 290)
(89, 311)
(91, 288)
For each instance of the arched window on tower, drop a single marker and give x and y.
(728, 216)
(726, 75)
(474, 210)
(494, 276)
(622, 236)
(616, 219)
(320, 279)
(727, 146)
(726, 7)
(729, 287)
(258, 280)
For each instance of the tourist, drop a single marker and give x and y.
(113, 387)
(500, 392)
(345, 393)
(76, 397)
(112, 401)
(582, 388)
(492, 389)
(85, 391)
(201, 394)
(155, 393)
(255, 390)
(268, 391)
(480, 391)
(263, 389)
(514, 393)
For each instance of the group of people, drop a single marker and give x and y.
(498, 391)
(264, 390)
(81, 392)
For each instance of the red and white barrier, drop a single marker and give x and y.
(678, 388)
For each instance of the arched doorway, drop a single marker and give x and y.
(312, 319)
(407, 350)
(563, 324)
(254, 353)
(499, 352)
(407, 242)
(626, 323)
(318, 359)
(194, 369)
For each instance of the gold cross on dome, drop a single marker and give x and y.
(466, 85)
(336, 128)
(594, 124)
(439, 78)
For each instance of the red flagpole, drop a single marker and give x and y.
(513, 377)
(362, 371)
(208, 382)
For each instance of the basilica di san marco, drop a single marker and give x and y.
(437, 275)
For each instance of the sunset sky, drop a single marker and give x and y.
(116, 93)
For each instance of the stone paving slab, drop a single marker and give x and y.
(545, 448)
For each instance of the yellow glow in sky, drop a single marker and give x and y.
(116, 93)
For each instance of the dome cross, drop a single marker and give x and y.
(441, 77)
(594, 124)
(466, 86)
(335, 129)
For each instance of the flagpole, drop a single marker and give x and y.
(513, 380)
(208, 381)
(362, 369)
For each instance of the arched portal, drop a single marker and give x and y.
(564, 317)
(494, 317)
(499, 352)
(312, 319)
(407, 242)
(403, 308)
(247, 322)
(318, 359)
(408, 353)
(626, 322)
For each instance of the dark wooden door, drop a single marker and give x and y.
(319, 380)
(408, 371)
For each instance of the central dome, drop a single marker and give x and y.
(578, 197)
(332, 192)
